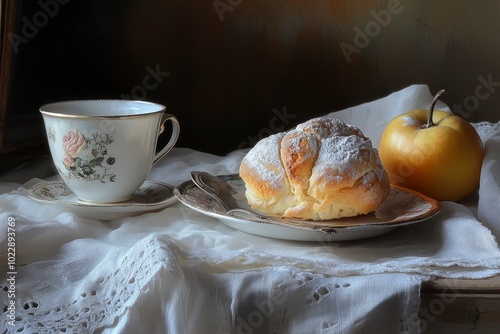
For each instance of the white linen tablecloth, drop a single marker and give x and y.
(178, 271)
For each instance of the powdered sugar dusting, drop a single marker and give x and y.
(264, 159)
(297, 141)
(343, 157)
(327, 127)
(344, 152)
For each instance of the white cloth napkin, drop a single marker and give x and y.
(178, 271)
(489, 188)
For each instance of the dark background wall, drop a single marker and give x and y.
(235, 71)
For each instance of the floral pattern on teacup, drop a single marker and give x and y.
(88, 158)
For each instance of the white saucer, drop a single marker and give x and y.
(402, 207)
(151, 196)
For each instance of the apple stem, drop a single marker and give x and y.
(431, 110)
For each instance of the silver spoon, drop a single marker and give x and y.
(221, 192)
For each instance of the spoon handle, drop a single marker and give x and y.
(279, 221)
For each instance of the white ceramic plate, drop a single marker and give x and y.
(402, 207)
(151, 196)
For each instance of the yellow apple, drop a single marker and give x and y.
(433, 152)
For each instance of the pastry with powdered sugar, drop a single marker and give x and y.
(323, 169)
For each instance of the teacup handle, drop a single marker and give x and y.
(173, 139)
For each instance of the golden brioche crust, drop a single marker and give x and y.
(324, 169)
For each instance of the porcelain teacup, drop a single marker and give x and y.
(104, 149)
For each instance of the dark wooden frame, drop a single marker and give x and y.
(7, 11)
(12, 152)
